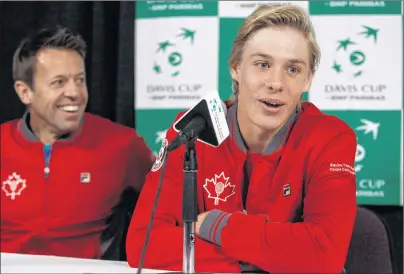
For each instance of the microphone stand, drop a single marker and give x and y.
(189, 206)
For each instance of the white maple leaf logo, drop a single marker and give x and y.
(14, 185)
(219, 188)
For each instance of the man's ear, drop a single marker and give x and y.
(23, 91)
(234, 73)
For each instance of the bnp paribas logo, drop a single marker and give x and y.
(352, 52)
(172, 55)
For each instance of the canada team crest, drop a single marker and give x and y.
(219, 188)
(14, 185)
(160, 157)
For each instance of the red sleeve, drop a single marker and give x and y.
(320, 243)
(141, 159)
(164, 250)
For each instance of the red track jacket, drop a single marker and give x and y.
(298, 215)
(64, 211)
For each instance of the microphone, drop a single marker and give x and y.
(206, 122)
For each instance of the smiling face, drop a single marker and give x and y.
(272, 74)
(59, 95)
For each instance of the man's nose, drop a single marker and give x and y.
(274, 79)
(72, 90)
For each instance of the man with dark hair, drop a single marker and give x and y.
(64, 172)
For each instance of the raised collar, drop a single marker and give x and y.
(25, 129)
(277, 142)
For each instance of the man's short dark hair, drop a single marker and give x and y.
(24, 59)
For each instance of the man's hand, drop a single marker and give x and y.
(201, 218)
(209, 225)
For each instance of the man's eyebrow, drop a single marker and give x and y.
(269, 57)
(260, 54)
(297, 61)
(63, 76)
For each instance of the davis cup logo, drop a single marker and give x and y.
(215, 106)
(350, 58)
(173, 57)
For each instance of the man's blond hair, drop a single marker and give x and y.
(274, 15)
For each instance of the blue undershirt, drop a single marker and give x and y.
(47, 151)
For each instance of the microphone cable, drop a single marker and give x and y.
(160, 184)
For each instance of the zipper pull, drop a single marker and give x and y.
(46, 171)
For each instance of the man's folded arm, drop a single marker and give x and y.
(319, 243)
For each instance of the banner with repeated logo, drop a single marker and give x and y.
(182, 50)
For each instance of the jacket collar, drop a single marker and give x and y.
(25, 129)
(277, 142)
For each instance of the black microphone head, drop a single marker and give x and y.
(213, 111)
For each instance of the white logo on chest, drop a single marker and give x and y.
(219, 188)
(14, 185)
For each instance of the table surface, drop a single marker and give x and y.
(22, 263)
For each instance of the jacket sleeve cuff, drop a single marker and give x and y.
(212, 225)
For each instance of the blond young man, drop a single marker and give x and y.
(278, 195)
